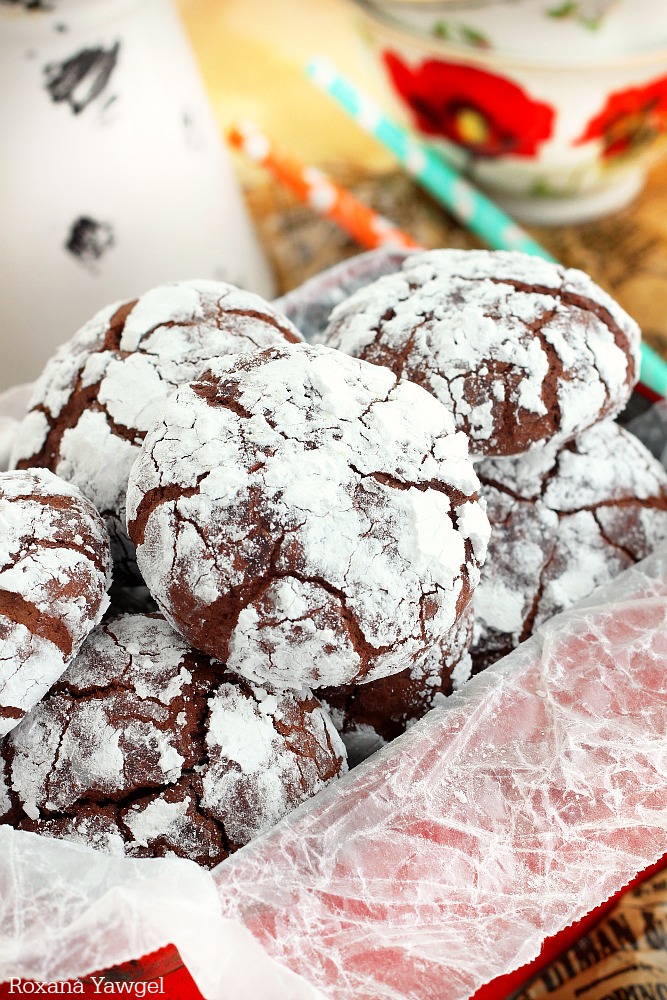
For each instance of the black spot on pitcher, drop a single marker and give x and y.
(81, 78)
(28, 4)
(88, 240)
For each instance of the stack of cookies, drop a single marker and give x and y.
(298, 535)
(134, 741)
(534, 361)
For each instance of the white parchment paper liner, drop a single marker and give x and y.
(309, 305)
(528, 799)
(66, 911)
(444, 861)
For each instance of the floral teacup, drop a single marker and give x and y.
(557, 109)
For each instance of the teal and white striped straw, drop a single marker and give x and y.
(466, 203)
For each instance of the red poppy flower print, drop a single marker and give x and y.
(631, 119)
(484, 113)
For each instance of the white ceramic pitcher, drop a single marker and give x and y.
(113, 175)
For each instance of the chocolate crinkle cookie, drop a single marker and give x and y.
(368, 716)
(563, 522)
(520, 350)
(55, 568)
(148, 748)
(103, 389)
(306, 518)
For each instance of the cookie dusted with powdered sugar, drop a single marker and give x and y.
(104, 388)
(368, 716)
(148, 748)
(55, 568)
(521, 350)
(563, 522)
(306, 518)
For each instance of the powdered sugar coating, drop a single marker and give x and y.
(307, 519)
(94, 827)
(100, 393)
(368, 716)
(521, 350)
(267, 754)
(563, 522)
(144, 748)
(55, 568)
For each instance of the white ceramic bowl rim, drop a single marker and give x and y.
(395, 26)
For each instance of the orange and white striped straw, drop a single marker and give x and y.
(319, 192)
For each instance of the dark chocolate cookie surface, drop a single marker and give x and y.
(368, 716)
(55, 568)
(103, 389)
(521, 350)
(563, 522)
(307, 519)
(147, 748)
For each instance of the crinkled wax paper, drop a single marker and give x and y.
(651, 429)
(522, 803)
(66, 911)
(514, 809)
(309, 305)
(442, 862)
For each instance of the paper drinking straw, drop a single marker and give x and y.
(653, 372)
(319, 192)
(472, 209)
(466, 203)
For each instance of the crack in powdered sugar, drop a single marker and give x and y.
(563, 522)
(327, 528)
(146, 747)
(101, 392)
(521, 350)
(368, 716)
(55, 568)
